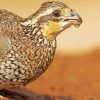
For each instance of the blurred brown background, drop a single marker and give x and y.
(76, 68)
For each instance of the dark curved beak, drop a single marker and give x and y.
(75, 19)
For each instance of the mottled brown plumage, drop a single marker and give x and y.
(27, 45)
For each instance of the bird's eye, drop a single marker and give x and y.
(56, 13)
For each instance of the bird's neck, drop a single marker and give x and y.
(48, 28)
(33, 30)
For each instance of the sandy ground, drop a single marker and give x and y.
(76, 76)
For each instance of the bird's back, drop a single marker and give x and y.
(8, 20)
(8, 27)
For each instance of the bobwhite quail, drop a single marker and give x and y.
(27, 45)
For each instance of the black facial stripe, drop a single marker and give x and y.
(49, 17)
(66, 19)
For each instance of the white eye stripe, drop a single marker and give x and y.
(47, 12)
